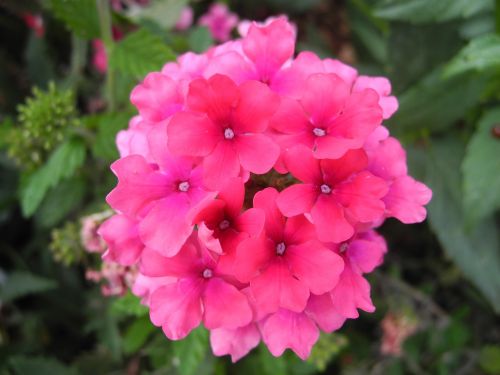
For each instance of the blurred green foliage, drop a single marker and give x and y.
(443, 59)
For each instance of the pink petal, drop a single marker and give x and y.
(406, 199)
(322, 311)
(298, 230)
(302, 165)
(225, 306)
(231, 64)
(220, 166)
(235, 342)
(289, 118)
(251, 221)
(177, 308)
(333, 147)
(316, 266)
(257, 152)
(286, 329)
(335, 171)
(192, 134)
(233, 194)
(388, 159)
(206, 237)
(252, 254)
(297, 199)
(328, 217)
(165, 228)
(122, 237)
(274, 220)
(276, 288)
(184, 264)
(256, 105)
(366, 251)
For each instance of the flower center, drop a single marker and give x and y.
(224, 224)
(183, 186)
(343, 247)
(318, 132)
(207, 273)
(325, 189)
(228, 133)
(280, 248)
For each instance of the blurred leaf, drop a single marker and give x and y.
(40, 67)
(108, 125)
(295, 6)
(22, 283)
(481, 169)
(371, 38)
(476, 253)
(59, 201)
(190, 351)
(63, 163)
(328, 347)
(420, 11)
(478, 25)
(137, 334)
(128, 305)
(480, 54)
(434, 104)
(269, 364)
(200, 39)
(39, 365)
(489, 359)
(80, 16)
(164, 13)
(139, 53)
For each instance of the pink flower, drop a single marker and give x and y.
(99, 57)
(220, 21)
(35, 22)
(200, 293)
(185, 19)
(224, 124)
(244, 25)
(236, 342)
(287, 263)
(89, 236)
(336, 194)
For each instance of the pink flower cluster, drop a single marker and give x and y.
(249, 187)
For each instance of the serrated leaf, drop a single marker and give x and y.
(63, 163)
(39, 365)
(420, 11)
(139, 53)
(475, 252)
(190, 351)
(137, 334)
(164, 13)
(108, 125)
(480, 54)
(481, 169)
(20, 284)
(434, 104)
(128, 305)
(79, 16)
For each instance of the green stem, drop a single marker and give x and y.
(104, 13)
(78, 59)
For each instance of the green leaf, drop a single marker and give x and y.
(434, 104)
(481, 169)
(137, 334)
(128, 305)
(21, 365)
(475, 252)
(200, 39)
(269, 364)
(20, 284)
(480, 54)
(190, 351)
(164, 13)
(63, 163)
(328, 347)
(139, 53)
(39, 65)
(108, 125)
(489, 359)
(420, 11)
(80, 16)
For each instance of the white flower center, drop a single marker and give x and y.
(325, 189)
(318, 132)
(207, 273)
(280, 248)
(224, 224)
(228, 133)
(183, 186)
(343, 247)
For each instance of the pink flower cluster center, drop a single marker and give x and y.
(249, 188)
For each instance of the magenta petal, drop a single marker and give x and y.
(302, 165)
(274, 220)
(176, 308)
(233, 194)
(183, 264)
(257, 152)
(206, 237)
(276, 288)
(192, 134)
(122, 237)
(165, 228)
(316, 266)
(225, 306)
(235, 342)
(328, 217)
(251, 222)
(251, 255)
(322, 311)
(367, 251)
(299, 230)
(220, 166)
(286, 329)
(289, 118)
(297, 199)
